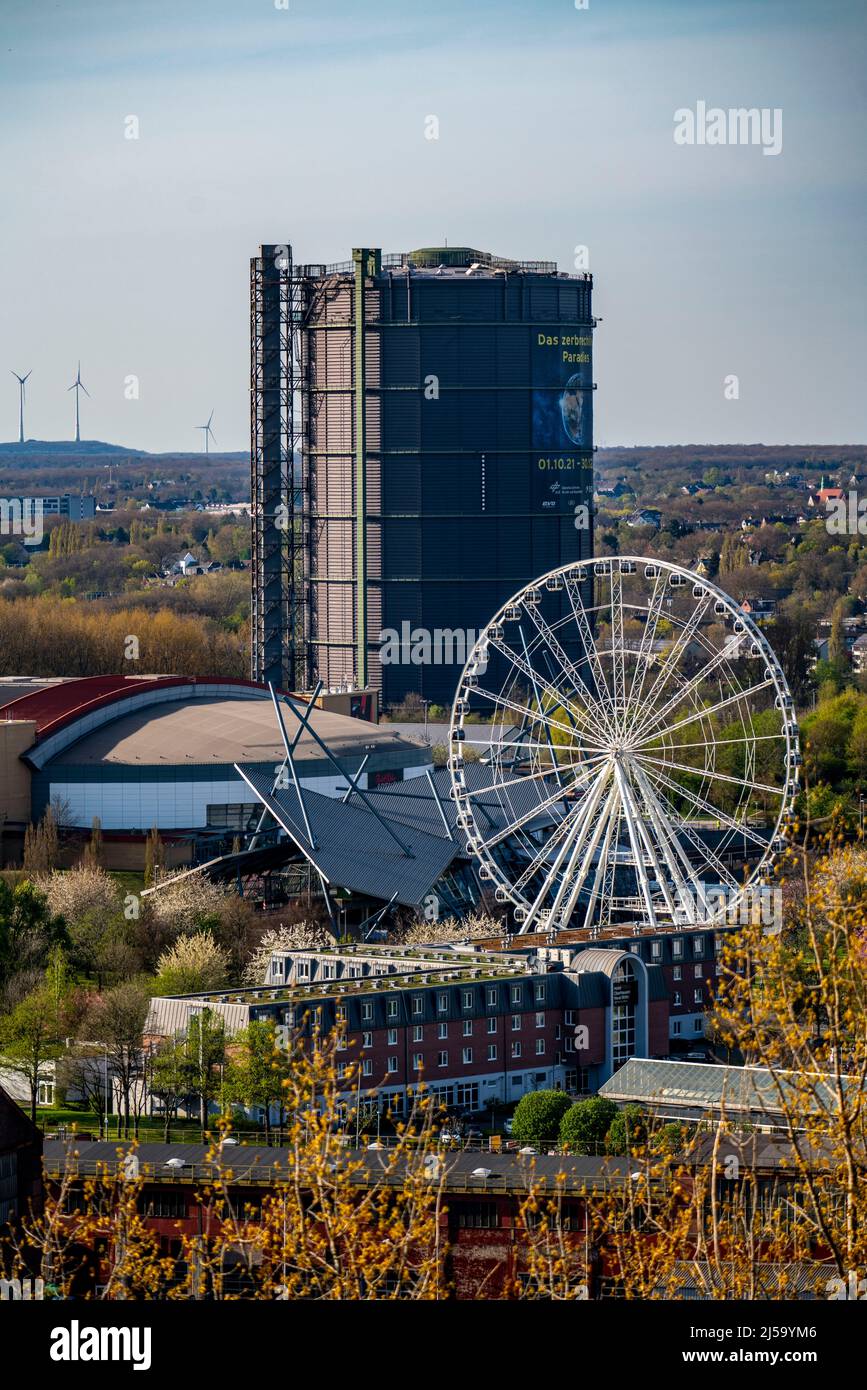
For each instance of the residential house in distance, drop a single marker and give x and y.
(859, 653)
(759, 609)
(646, 516)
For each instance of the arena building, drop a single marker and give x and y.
(164, 751)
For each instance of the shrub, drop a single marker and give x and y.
(585, 1125)
(538, 1115)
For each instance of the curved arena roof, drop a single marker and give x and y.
(218, 730)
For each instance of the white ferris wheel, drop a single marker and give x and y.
(623, 748)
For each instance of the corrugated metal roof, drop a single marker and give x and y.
(169, 1015)
(352, 849)
(413, 803)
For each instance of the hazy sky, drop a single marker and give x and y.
(556, 130)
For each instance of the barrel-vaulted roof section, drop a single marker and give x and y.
(55, 704)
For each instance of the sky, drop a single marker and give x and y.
(556, 124)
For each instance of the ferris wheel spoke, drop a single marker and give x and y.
(540, 774)
(666, 838)
(558, 795)
(635, 842)
(572, 846)
(713, 812)
(576, 602)
(675, 826)
(722, 742)
(648, 637)
(612, 813)
(712, 774)
(568, 667)
(693, 684)
(706, 711)
(559, 698)
(618, 676)
(562, 831)
(535, 716)
(681, 643)
(573, 882)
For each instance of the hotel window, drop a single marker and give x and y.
(677, 947)
(540, 994)
(302, 970)
(340, 1013)
(516, 994)
(698, 946)
(392, 1008)
(540, 1020)
(392, 1064)
(492, 1052)
(418, 1032)
(655, 950)
(367, 1040)
(516, 1049)
(392, 1037)
(443, 1030)
(329, 970)
(468, 1027)
(698, 1025)
(568, 1044)
(468, 1096)
(443, 1003)
(492, 1025)
(367, 1010)
(417, 1061)
(492, 998)
(678, 972)
(697, 971)
(675, 999)
(558, 1032)
(367, 1067)
(467, 996)
(697, 996)
(342, 1043)
(540, 1046)
(569, 1016)
(341, 1070)
(443, 1059)
(417, 1005)
(719, 944)
(516, 1022)
(675, 1028)
(467, 1056)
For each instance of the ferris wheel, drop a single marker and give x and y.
(623, 748)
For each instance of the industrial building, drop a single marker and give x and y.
(421, 448)
(165, 751)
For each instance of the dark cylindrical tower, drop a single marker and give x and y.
(447, 449)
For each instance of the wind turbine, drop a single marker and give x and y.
(21, 398)
(209, 433)
(78, 385)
